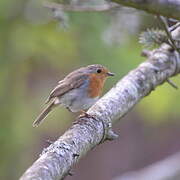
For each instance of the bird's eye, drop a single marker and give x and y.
(99, 71)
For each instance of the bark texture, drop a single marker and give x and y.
(168, 8)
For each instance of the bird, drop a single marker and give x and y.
(78, 91)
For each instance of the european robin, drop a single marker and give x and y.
(78, 91)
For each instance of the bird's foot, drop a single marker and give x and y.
(83, 114)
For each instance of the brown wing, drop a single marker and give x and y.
(69, 83)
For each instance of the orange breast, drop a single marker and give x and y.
(96, 85)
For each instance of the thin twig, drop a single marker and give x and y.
(172, 28)
(171, 43)
(166, 28)
(172, 84)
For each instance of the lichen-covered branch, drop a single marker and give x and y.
(56, 160)
(170, 9)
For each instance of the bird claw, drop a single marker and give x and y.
(84, 114)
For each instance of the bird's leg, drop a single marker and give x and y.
(84, 114)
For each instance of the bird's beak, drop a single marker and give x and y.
(110, 74)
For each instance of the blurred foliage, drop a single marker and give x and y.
(35, 54)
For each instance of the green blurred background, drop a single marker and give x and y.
(36, 52)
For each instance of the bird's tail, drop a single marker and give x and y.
(44, 114)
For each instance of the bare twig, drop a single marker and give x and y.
(56, 161)
(171, 42)
(175, 26)
(172, 84)
(166, 28)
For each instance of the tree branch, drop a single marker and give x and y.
(163, 170)
(80, 8)
(170, 9)
(57, 160)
